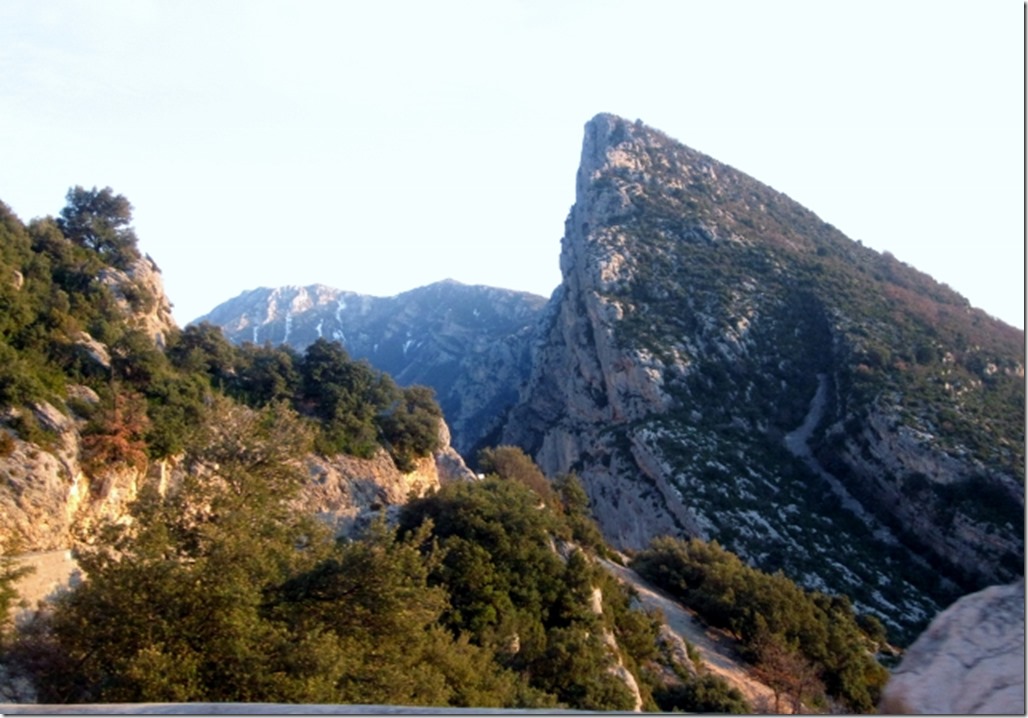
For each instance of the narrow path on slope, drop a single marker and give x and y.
(716, 648)
(796, 443)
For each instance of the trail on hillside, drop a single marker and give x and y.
(796, 441)
(716, 647)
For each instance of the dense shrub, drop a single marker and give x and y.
(768, 609)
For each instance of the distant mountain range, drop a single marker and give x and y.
(720, 362)
(469, 343)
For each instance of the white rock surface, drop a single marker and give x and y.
(969, 660)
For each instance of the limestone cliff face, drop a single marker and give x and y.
(139, 292)
(468, 343)
(703, 318)
(51, 502)
(343, 489)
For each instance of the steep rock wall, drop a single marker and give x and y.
(697, 311)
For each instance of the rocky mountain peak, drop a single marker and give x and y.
(703, 319)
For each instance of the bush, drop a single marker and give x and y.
(704, 694)
(769, 609)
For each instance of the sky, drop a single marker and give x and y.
(380, 146)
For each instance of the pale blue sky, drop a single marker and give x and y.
(380, 146)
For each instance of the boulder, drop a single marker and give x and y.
(969, 660)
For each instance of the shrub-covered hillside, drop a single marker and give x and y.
(73, 334)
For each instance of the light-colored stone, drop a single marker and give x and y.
(969, 660)
(344, 488)
(142, 278)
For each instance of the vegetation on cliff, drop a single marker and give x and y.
(804, 644)
(63, 324)
(220, 590)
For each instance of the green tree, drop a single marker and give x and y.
(265, 374)
(372, 595)
(100, 220)
(578, 513)
(410, 426)
(514, 592)
(204, 348)
(511, 462)
(345, 396)
(173, 607)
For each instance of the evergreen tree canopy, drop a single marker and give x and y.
(100, 220)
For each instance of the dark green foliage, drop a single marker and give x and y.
(703, 694)
(201, 348)
(360, 408)
(357, 409)
(499, 562)
(761, 608)
(263, 374)
(511, 462)
(578, 513)
(565, 494)
(371, 596)
(344, 396)
(100, 220)
(223, 592)
(512, 593)
(410, 426)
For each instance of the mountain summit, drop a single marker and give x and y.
(720, 362)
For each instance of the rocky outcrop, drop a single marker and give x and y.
(48, 499)
(468, 343)
(969, 660)
(50, 502)
(342, 489)
(699, 317)
(139, 291)
(583, 381)
(926, 494)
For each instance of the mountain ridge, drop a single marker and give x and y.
(468, 342)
